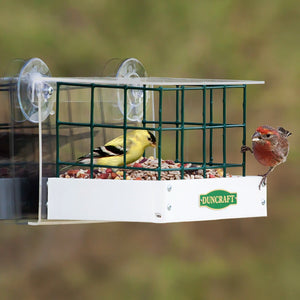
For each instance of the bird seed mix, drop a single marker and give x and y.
(137, 173)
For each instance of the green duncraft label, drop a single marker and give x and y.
(218, 199)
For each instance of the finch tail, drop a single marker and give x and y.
(284, 132)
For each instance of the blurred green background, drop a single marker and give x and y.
(233, 259)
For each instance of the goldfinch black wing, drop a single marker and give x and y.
(104, 151)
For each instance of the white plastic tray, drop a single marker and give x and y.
(152, 201)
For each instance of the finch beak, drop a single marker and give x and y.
(153, 145)
(256, 137)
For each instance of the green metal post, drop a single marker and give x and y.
(144, 106)
(244, 128)
(92, 132)
(224, 131)
(204, 130)
(144, 109)
(211, 130)
(182, 133)
(159, 131)
(125, 129)
(57, 129)
(177, 124)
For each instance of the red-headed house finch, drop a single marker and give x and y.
(270, 147)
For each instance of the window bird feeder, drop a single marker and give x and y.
(48, 122)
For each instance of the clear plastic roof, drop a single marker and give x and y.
(156, 81)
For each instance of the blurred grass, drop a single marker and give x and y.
(233, 259)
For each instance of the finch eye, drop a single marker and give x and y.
(268, 135)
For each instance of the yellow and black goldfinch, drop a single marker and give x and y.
(112, 153)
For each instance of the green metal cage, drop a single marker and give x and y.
(181, 124)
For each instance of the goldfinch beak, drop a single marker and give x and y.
(153, 145)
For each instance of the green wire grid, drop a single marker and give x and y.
(206, 125)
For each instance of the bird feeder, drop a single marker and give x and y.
(48, 122)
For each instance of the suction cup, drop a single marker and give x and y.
(32, 88)
(132, 68)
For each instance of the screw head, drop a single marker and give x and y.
(169, 188)
(169, 207)
(263, 202)
(50, 90)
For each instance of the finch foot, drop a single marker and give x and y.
(245, 149)
(264, 177)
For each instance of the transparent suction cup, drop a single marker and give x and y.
(132, 68)
(32, 88)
